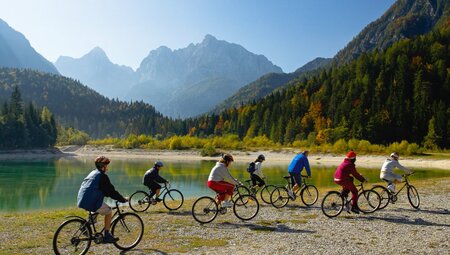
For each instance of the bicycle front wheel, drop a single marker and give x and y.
(265, 193)
(309, 195)
(139, 201)
(129, 228)
(369, 201)
(240, 190)
(173, 199)
(72, 237)
(413, 197)
(332, 204)
(246, 207)
(279, 197)
(205, 210)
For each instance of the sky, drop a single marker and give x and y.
(289, 33)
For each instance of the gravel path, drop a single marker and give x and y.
(398, 229)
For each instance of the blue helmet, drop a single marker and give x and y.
(159, 163)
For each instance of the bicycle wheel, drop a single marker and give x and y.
(369, 201)
(279, 197)
(309, 195)
(129, 228)
(173, 199)
(265, 193)
(72, 237)
(384, 195)
(139, 201)
(332, 204)
(240, 190)
(205, 210)
(413, 197)
(247, 209)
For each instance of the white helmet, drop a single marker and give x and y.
(394, 155)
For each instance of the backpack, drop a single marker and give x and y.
(251, 167)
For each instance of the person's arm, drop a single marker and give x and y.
(399, 166)
(356, 174)
(108, 189)
(228, 176)
(306, 164)
(159, 179)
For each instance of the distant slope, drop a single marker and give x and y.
(404, 19)
(16, 51)
(267, 84)
(98, 72)
(172, 80)
(74, 104)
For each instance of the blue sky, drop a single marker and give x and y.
(288, 32)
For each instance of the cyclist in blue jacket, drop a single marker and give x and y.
(93, 190)
(299, 162)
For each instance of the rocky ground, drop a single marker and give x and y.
(295, 229)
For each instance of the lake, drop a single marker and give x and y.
(44, 184)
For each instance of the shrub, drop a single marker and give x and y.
(339, 146)
(209, 150)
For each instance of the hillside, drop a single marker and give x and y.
(16, 51)
(74, 104)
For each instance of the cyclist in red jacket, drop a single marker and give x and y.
(343, 178)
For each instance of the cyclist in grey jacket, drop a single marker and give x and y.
(387, 171)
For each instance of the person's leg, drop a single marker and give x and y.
(259, 180)
(253, 178)
(298, 182)
(107, 212)
(220, 189)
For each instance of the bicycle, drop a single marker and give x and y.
(205, 209)
(334, 202)
(74, 236)
(309, 194)
(388, 196)
(264, 191)
(140, 200)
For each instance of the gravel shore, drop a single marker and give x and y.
(295, 229)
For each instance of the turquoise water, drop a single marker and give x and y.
(44, 184)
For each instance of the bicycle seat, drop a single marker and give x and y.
(248, 181)
(287, 177)
(386, 180)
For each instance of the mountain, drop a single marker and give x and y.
(96, 71)
(16, 51)
(75, 105)
(266, 84)
(404, 19)
(192, 80)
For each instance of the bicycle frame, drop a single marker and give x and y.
(404, 185)
(289, 183)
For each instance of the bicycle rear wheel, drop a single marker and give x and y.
(265, 193)
(413, 197)
(246, 207)
(279, 197)
(332, 204)
(205, 210)
(384, 195)
(309, 195)
(72, 237)
(368, 201)
(173, 199)
(139, 201)
(129, 228)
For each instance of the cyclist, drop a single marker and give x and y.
(257, 175)
(387, 173)
(216, 180)
(299, 162)
(152, 180)
(92, 192)
(343, 178)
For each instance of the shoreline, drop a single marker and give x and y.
(272, 157)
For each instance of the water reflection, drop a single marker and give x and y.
(30, 185)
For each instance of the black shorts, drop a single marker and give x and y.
(154, 186)
(296, 178)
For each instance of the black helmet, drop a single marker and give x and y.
(261, 157)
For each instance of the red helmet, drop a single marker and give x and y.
(351, 155)
(101, 161)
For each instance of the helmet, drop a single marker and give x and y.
(351, 155)
(227, 157)
(101, 161)
(394, 155)
(159, 164)
(261, 157)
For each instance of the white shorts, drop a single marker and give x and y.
(104, 209)
(390, 176)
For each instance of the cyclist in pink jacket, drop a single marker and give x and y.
(343, 177)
